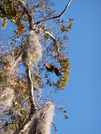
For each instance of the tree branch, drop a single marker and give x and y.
(33, 107)
(52, 37)
(31, 98)
(30, 17)
(57, 15)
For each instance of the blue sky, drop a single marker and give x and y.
(83, 94)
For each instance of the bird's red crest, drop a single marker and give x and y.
(45, 64)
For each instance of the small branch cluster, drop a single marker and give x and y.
(30, 17)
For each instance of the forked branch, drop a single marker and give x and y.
(52, 37)
(55, 17)
(30, 18)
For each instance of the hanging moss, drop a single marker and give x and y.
(33, 51)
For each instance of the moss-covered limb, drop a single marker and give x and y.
(6, 98)
(42, 124)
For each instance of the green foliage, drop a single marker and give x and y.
(10, 9)
(46, 36)
(65, 68)
(4, 24)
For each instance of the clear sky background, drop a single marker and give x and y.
(82, 96)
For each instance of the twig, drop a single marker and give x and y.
(57, 15)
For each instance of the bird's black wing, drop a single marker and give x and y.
(57, 72)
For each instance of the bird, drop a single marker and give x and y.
(57, 71)
(49, 67)
(52, 68)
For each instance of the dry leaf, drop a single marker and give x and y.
(70, 26)
(66, 117)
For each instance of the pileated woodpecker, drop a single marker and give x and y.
(57, 71)
(52, 68)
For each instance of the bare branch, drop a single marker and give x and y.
(57, 15)
(52, 37)
(31, 97)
